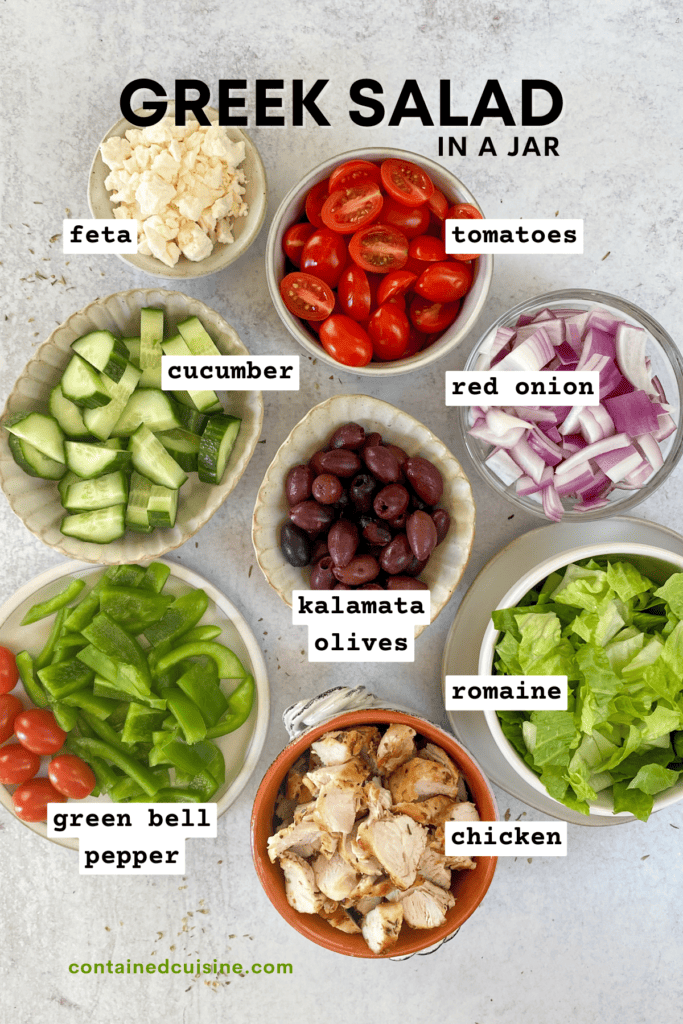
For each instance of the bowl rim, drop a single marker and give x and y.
(591, 297)
(189, 270)
(486, 653)
(270, 876)
(398, 366)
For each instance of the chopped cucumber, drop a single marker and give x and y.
(99, 527)
(162, 507)
(151, 459)
(137, 517)
(215, 447)
(183, 446)
(202, 401)
(91, 460)
(34, 462)
(83, 385)
(149, 406)
(101, 492)
(197, 339)
(151, 337)
(67, 414)
(101, 421)
(104, 352)
(41, 431)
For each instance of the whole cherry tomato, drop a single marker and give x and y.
(444, 282)
(379, 248)
(38, 731)
(294, 240)
(9, 673)
(432, 317)
(325, 255)
(10, 707)
(17, 764)
(411, 220)
(71, 776)
(353, 172)
(389, 331)
(306, 296)
(349, 209)
(314, 202)
(345, 340)
(354, 293)
(406, 181)
(463, 211)
(427, 249)
(31, 799)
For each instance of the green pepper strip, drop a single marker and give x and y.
(101, 707)
(187, 715)
(34, 690)
(125, 788)
(45, 656)
(45, 608)
(65, 717)
(107, 636)
(200, 683)
(155, 577)
(105, 732)
(89, 748)
(228, 664)
(172, 796)
(134, 609)
(183, 614)
(240, 703)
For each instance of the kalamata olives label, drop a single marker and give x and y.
(505, 839)
(517, 387)
(361, 625)
(234, 373)
(506, 693)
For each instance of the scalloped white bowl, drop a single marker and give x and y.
(448, 562)
(37, 502)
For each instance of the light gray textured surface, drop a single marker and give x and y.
(592, 937)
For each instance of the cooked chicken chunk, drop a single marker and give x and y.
(465, 811)
(342, 921)
(303, 838)
(354, 772)
(356, 857)
(430, 752)
(297, 787)
(398, 843)
(340, 746)
(460, 863)
(382, 926)
(432, 867)
(395, 748)
(300, 888)
(376, 799)
(419, 779)
(334, 876)
(336, 807)
(432, 811)
(425, 905)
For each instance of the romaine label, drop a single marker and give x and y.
(506, 693)
(505, 838)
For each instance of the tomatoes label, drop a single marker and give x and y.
(306, 296)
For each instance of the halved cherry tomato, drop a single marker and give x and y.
(411, 220)
(17, 764)
(379, 248)
(345, 340)
(31, 800)
(406, 181)
(352, 173)
(306, 296)
(71, 776)
(396, 283)
(416, 342)
(10, 707)
(354, 293)
(428, 249)
(349, 209)
(38, 731)
(397, 300)
(444, 282)
(431, 317)
(9, 673)
(438, 204)
(325, 255)
(463, 211)
(314, 202)
(294, 240)
(389, 331)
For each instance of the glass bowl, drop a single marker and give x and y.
(667, 365)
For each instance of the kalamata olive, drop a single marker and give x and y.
(376, 533)
(417, 503)
(391, 501)
(342, 586)
(415, 567)
(340, 461)
(320, 549)
(295, 544)
(298, 484)
(421, 533)
(311, 517)
(401, 456)
(442, 522)
(371, 586)
(361, 569)
(343, 500)
(405, 583)
(327, 489)
(361, 491)
(322, 576)
(399, 522)
(397, 556)
(315, 463)
(342, 540)
(371, 441)
(383, 464)
(350, 435)
(424, 478)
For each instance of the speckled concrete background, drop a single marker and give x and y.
(592, 937)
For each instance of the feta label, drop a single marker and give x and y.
(99, 236)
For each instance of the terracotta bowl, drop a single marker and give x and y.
(468, 887)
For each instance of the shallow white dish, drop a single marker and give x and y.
(245, 229)
(461, 653)
(241, 748)
(448, 562)
(37, 502)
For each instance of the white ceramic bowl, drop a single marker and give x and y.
(290, 211)
(447, 563)
(245, 229)
(37, 502)
(656, 563)
(241, 748)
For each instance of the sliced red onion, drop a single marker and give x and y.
(525, 457)
(633, 414)
(552, 506)
(504, 467)
(526, 486)
(551, 453)
(619, 462)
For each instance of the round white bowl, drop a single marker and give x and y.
(658, 564)
(37, 502)
(241, 748)
(290, 211)
(245, 229)
(447, 563)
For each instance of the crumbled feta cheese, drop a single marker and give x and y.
(182, 184)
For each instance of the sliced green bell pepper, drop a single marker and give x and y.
(240, 703)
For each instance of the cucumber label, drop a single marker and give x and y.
(238, 373)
